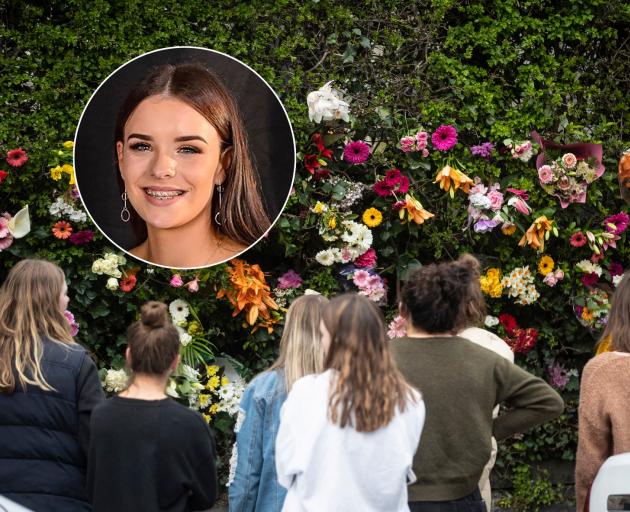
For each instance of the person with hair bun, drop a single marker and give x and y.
(461, 383)
(147, 452)
(49, 386)
(347, 436)
(604, 411)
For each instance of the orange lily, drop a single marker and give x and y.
(249, 292)
(449, 174)
(414, 210)
(536, 234)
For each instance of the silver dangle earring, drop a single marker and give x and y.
(124, 214)
(217, 215)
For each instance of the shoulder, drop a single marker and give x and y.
(488, 340)
(267, 384)
(604, 366)
(63, 353)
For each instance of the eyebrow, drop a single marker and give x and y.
(184, 138)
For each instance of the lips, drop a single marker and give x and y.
(162, 194)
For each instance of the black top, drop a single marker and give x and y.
(150, 455)
(44, 434)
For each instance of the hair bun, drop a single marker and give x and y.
(154, 314)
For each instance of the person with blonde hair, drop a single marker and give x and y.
(48, 388)
(253, 482)
(604, 410)
(147, 452)
(347, 436)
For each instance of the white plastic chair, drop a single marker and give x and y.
(611, 487)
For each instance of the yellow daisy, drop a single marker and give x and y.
(545, 265)
(372, 217)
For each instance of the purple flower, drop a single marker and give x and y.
(483, 150)
(589, 279)
(356, 152)
(618, 223)
(289, 279)
(558, 376)
(444, 138)
(81, 237)
(615, 269)
(485, 225)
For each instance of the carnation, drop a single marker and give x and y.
(289, 279)
(367, 259)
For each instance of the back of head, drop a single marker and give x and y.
(242, 208)
(153, 340)
(368, 387)
(301, 349)
(29, 310)
(618, 326)
(437, 298)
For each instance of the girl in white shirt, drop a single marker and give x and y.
(347, 436)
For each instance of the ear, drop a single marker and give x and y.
(402, 311)
(128, 356)
(119, 154)
(225, 161)
(174, 364)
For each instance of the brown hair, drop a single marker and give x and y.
(437, 298)
(368, 387)
(618, 326)
(29, 311)
(301, 349)
(242, 212)
(474, 307)
(153, 340)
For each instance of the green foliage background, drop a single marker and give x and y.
(495, 69)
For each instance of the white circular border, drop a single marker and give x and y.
(259, 177)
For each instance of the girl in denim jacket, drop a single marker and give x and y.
(253, 482)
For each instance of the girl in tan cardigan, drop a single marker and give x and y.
(604, 413)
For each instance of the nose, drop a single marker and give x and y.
(163, 166)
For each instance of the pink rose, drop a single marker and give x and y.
(569, 160)
(193, 286)
(425, 152)
(559, 274)
(176, 281)
(545, 174)
(496, 200)
(550, 279)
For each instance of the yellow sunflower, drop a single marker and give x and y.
(545, 265)
(372, 217)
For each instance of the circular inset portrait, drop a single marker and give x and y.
(184, 157)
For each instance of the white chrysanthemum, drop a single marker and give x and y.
(491, 321)
(327, 104)
(115, 381)
(589, 267)
(184, 337)
(179, 310)
(326, 257)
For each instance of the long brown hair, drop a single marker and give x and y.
(29, 311)
(153, 340)
(242, 211)
(367, 387)
(301, 349)
(618, 326)
(474, 307)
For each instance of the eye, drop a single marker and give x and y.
(189, 149)
(140, 146)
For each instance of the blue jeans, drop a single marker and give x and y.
(470, 503)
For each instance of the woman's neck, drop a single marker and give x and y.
(414, 332)
(195, 244)
(146, 387)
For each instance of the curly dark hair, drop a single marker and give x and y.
(444, 297)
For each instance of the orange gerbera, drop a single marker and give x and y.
(537, 233)
(62, 230)
(414, 210)
(249, 292)
(450, 179)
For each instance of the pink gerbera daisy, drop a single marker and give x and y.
(356, 152)
(444, 138)
(577, 239)
(17, 157)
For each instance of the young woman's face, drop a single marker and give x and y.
(325, 336)
(170, 160)
(63, 298)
